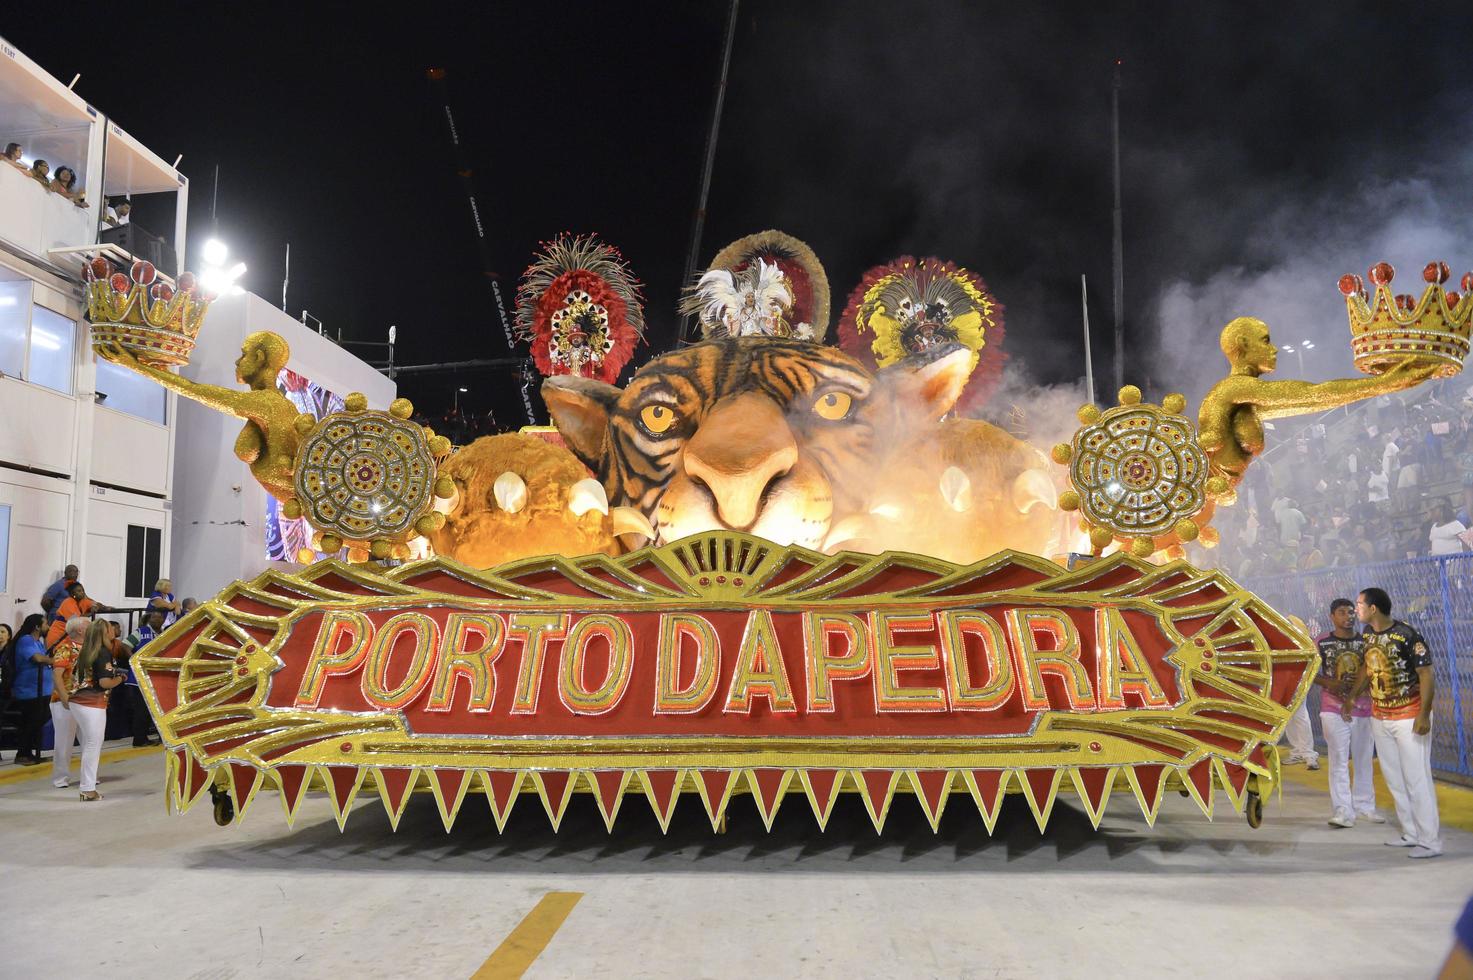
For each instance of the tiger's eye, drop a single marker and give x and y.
(657, 418)
(833, 406)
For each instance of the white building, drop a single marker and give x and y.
(94, 460)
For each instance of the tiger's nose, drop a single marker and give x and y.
(742, 446)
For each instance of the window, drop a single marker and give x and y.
(15, 320)
(130, 392)
(52, 336)
(142, 560)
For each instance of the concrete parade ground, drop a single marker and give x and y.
(120, 888)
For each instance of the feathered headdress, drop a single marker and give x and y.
(767, 284)
(910, 306)
(580, 307)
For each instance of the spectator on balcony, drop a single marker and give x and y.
(117, 212)
(41, 173)
(162, 599)
(56, 593)
(1446, 530)
(188, 604)
(65, 184)
(12, 156)
(77, 605)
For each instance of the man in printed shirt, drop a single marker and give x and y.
(1348, 741)
(1398, 670)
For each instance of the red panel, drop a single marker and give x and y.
(555, 785)
(822, 782)
(1094, 779)
(1150, 779)
(396, 784)
(768, 781)
(662, 786)
(503, 783)
(932, 782)
(609, 782)
(989, 787)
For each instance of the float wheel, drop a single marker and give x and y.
(1253, 810)
(224, 806)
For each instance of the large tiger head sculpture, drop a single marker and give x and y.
(780, 438)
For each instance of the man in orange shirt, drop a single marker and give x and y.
(75, 604)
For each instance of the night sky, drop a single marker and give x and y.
(1267, 147)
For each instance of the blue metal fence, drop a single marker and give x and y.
(1435, 595)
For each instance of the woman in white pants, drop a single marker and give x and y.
(63, 723)
(96, 676)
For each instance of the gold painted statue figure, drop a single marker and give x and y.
(268, 442)
(1230, 423)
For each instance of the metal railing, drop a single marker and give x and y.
(1435, 595)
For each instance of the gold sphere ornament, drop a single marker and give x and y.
(356, 402)
(1088, 414)
(439, 445)
(1131, 395)
(306, 556)
(1187, 530)
(292, 509)
(1217, 486)
(330, 544)
(1062, 453)
(381, 549)
(1142, 547)
(444, 487)
(304, 424)
(1100, 537)
(1174, 403)
(1068, 500)
(401, 408)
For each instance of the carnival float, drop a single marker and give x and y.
(764, 565)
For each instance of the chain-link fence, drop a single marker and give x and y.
(1435, 595)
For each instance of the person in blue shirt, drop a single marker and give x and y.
(32, 689)
(54, 595)
(151, 627)
(162, 597)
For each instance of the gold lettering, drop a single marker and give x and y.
(375, 680)
(760, 669)
(1123, 669)
(956, 625)
(573, 686)
(326, 657)
(890, 659)
(670, 697)
(1060, 658)
(459, 659)
(535, 630)
(824, 669)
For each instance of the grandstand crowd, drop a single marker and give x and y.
(1382, 480)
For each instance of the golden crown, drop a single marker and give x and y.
(156, 322)
(1386, 329)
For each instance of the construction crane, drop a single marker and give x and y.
(463, 169)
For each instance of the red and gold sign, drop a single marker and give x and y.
(722, 662)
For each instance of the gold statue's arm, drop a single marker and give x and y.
(1282, 399)
(227, 400)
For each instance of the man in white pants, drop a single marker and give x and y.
(1347, 741)
(1398, 670)
(1300, 737)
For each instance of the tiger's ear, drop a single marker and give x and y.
(932, 388)
(580, 410)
